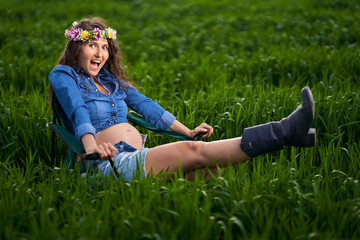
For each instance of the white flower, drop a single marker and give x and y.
(75, 23)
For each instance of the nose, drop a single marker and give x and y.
(98, 53)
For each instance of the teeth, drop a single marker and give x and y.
(96, 61)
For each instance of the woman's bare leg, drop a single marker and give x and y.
(194, 155)
(294, 131)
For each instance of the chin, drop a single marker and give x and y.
(93, 73)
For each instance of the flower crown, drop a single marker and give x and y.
(78, 34)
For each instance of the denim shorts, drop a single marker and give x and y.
(128, 161)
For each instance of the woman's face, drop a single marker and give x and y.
(93, 55)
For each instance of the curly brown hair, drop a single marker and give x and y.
(70, 55)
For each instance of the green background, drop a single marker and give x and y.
(232, 64)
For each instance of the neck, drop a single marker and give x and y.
(95, 79)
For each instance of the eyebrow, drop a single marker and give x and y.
(93, 42)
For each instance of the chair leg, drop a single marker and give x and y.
(114, 168)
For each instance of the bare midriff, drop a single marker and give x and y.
(120, 132)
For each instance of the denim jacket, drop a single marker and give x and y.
(87, 110)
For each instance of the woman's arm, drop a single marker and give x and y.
(180, 128)
(150, 110)
(63, 80)
(156, 115)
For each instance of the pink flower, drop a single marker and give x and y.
(74, 34)
(97, 34)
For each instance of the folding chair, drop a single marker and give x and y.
(74, 147)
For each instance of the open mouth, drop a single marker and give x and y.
(95, 64)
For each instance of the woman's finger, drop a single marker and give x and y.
(203, 128)
(209, 130)
(199, 130)
(107, 149)
(205, 125)
(112, 150)
(207, 134)
(101, 151)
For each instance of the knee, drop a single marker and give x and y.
(195, 146)
(196, 151)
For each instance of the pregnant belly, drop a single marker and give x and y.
(120, 132)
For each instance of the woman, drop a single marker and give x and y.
(95, 94)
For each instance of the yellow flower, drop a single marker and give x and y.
(85, 35)
(109, 33)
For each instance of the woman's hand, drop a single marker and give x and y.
(180, 128)
(105, 150)
(202, 128)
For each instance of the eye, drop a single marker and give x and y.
(91, 45)
(105, 47)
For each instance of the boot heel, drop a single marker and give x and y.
(310, 138)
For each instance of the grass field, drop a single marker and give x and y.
(232, 64)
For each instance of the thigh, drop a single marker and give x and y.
(170, 157)
(128, 164)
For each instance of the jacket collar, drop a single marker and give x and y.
(104, 74)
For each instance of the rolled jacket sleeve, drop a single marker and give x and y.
(152, 112)
(64, 84)
(165, 121)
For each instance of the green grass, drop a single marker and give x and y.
(232, 64)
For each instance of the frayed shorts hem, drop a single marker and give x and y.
(128, 161)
